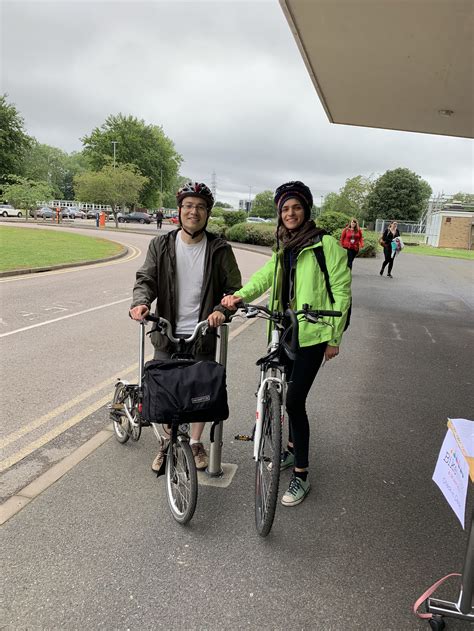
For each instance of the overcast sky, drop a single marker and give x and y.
(224, 79)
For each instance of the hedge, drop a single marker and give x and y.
(257, 234)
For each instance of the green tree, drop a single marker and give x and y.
(353, 196)
(26, 194)
(399, 194)
(47, 164)
(330, 203)
(465, 198)
(264, 206)
(14, 142)
(145, 146)
(169, 196)
(332, 220)
(223, 205)
(117, 187)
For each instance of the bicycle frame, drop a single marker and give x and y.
(265, 379)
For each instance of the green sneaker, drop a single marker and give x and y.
(287, 460)
(297, 491)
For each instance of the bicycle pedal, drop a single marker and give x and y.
(243, 437)
(115, 406)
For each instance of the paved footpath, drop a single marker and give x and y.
(99, 549)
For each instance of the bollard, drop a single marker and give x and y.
(214, 468)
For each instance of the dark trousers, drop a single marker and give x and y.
(301, 373)
(351, 254)
(387, 251)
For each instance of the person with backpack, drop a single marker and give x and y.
(352, 240)
(308, 267)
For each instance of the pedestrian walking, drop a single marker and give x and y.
(352, 240)
(388, 235)
(159, 219)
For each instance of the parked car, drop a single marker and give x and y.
(40, 212)
(91, 214)
(73, 213)
(257, 220)
(134, 217)
(7, 210)
(174, 219)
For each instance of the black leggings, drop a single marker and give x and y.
(302, 372)
(388, 259)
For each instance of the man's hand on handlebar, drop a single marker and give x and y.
(216, 319)
(230, 302)
(139, 312)
(331, 352)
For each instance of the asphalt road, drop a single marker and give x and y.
(65, 337)
(99, 549)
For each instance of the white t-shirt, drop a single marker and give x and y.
(189, 279)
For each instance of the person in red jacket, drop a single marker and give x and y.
(352, 240)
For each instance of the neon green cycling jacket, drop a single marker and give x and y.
(311, 289)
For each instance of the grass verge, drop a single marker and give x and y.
(31, 249)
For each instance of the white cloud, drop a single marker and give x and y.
(224, 79)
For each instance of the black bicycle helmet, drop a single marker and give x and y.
(196, 189)
(296, 190)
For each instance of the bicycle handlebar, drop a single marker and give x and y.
(312, 315)
(164, 327)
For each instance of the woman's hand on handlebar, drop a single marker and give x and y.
(216, 319)
(331, 352)
(139, 312)
(230, 302)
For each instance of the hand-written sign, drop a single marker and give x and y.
(452, 475)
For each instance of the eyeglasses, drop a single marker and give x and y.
(200, 207)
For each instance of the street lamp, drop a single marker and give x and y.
(114, 142)
(250, 202)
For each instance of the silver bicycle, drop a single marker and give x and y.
(271, 398)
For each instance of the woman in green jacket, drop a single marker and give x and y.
(296, 278)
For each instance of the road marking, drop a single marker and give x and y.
(429, 335)
(135, 253)
(11, 438)
(59, 429)
(14, 504)
(65, 317)
(396, 330)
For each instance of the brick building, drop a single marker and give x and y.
(451, 229)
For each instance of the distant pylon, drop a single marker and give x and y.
(214, 184)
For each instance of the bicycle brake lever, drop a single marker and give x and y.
(251, 312)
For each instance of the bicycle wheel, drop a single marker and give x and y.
(267, 477)
(181, 481)
(123, 429)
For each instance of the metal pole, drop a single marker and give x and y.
(467, 589)
(214, 468)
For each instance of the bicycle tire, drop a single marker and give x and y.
(122, 426)
(267, 478)
(181, 481)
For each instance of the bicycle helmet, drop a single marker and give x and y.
(196, 189)
(294, 190)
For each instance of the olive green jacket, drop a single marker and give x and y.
(155, 280)
(308, 287)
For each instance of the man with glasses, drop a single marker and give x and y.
(187, 271)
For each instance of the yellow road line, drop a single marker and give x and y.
(11, 438)
(74, 420)
(26, 451)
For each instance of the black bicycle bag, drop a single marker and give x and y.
(184, 391)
